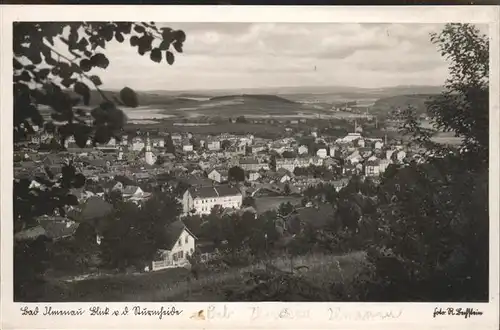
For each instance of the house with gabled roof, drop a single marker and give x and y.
(132, 191)
(218, 175)
(180, 245)
(201, 200)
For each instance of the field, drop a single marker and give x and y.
(177, 285)
(301, 103)
(264, 204)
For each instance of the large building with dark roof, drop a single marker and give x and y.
(201, 200)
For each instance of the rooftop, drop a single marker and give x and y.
(214, 191)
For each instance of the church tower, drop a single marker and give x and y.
(149, 157)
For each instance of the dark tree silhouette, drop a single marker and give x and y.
(225, 144)
(236, 173)
(169, 144)
(62, 78)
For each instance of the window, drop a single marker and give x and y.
(187, 239)
(192, 251)
(180, 242)
(181, 254)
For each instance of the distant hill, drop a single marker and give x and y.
(194, 104)
(317, 90)
(386, 104)
(412, 89)
(145, 98)
(251, 97)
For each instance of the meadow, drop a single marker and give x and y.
(178, 285)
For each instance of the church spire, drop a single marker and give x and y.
(148, 142)
(148, 156)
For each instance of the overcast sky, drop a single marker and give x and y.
(241, 55)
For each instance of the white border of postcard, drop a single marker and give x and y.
(243, 315)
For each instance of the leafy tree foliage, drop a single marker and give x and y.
(285, 209)
(272, 163)
(53, 67)
(133, 235)
(43, 73)
(426, 226)
(241, 119)
(114, 197)
(287, 190)
(248, 201)
(289, 154)
(236, 173)
(314, 171)
(169, 144)
(432, 218)
(239, 232)
(464, 106)
(160, 160)
(324, 192)
(225, 144)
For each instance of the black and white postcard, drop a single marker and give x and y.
(184, 167)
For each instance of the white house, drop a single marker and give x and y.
(213, 145)
(354, 157)
(303, 150)
(360, 142)
(201, 200)
(284, 178)
(34, 184)
(218, 175)
(187, 146)
(138, 144)
(111, 142)
(258, 148)
(176, 138)
(322, 153)
(339, 184)
(400, 155)
(253, 176)
(132, 191)
(158, 142)
(290, 164)
(372, 168)
(181, 245)
(350, 137)
(378, 145)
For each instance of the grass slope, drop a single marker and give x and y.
(176, 284)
